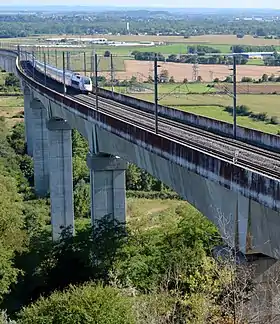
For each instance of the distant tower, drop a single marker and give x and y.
(127, 27)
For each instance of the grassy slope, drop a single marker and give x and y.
(175, 89)
(11, 108)
(146, 213)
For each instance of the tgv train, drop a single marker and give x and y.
(74, 80)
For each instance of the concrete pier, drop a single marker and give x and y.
(28, 120)
(61, 176)
(107, 179)
(40, 148)
(264, 305)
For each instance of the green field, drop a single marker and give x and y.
(212, 105)
(255, 62)
(12, 109)
(219, 113)
(177, 89)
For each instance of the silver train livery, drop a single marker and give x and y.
(72, 79)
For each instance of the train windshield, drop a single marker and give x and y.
(86, 81)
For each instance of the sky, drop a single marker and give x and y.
(153, 3)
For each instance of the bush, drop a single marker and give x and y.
(273, 120)
(4, 319)
(87, 304)
(246, 79)
(153, 194)
(107, 54)
(12, 81)
(242, 110)
(260, 116)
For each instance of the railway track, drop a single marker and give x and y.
(238, 144)
(227, 149)
(217, 147)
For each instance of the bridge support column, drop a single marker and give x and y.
(61, 177)
(28, 121)
(264, 306)
(107, 179)
(40, 148)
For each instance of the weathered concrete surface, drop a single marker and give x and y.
(107, 180)
(264, 305)
(40, 148)
(223, 206)
(61, 177)
(28, 120)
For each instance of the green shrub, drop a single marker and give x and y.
(274, 120)
(153, 194)
(87, 304)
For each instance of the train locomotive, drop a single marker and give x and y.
(72, 79)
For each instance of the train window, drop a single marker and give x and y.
(75, 82)
(86, 81)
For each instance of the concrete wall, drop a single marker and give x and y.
(245, 134)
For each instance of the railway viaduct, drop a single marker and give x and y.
(232, 182)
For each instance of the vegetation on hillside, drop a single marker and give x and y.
(153, 271)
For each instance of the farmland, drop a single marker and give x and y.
(180, 71)
(251, 88)
(226, 40)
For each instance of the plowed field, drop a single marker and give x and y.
(180, 71)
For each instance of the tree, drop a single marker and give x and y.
(246, 79)
(82, 199)
(107, 54)
(12, 234)
(172, 80)
(150, 79)
(133, 81)
(17, 139)
(264, 77)
(12, 81)
(272, 78)
(163, 76)
(228, 79)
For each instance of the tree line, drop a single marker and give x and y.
(153, 23)
(189, 58)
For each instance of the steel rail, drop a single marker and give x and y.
(165, 130)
